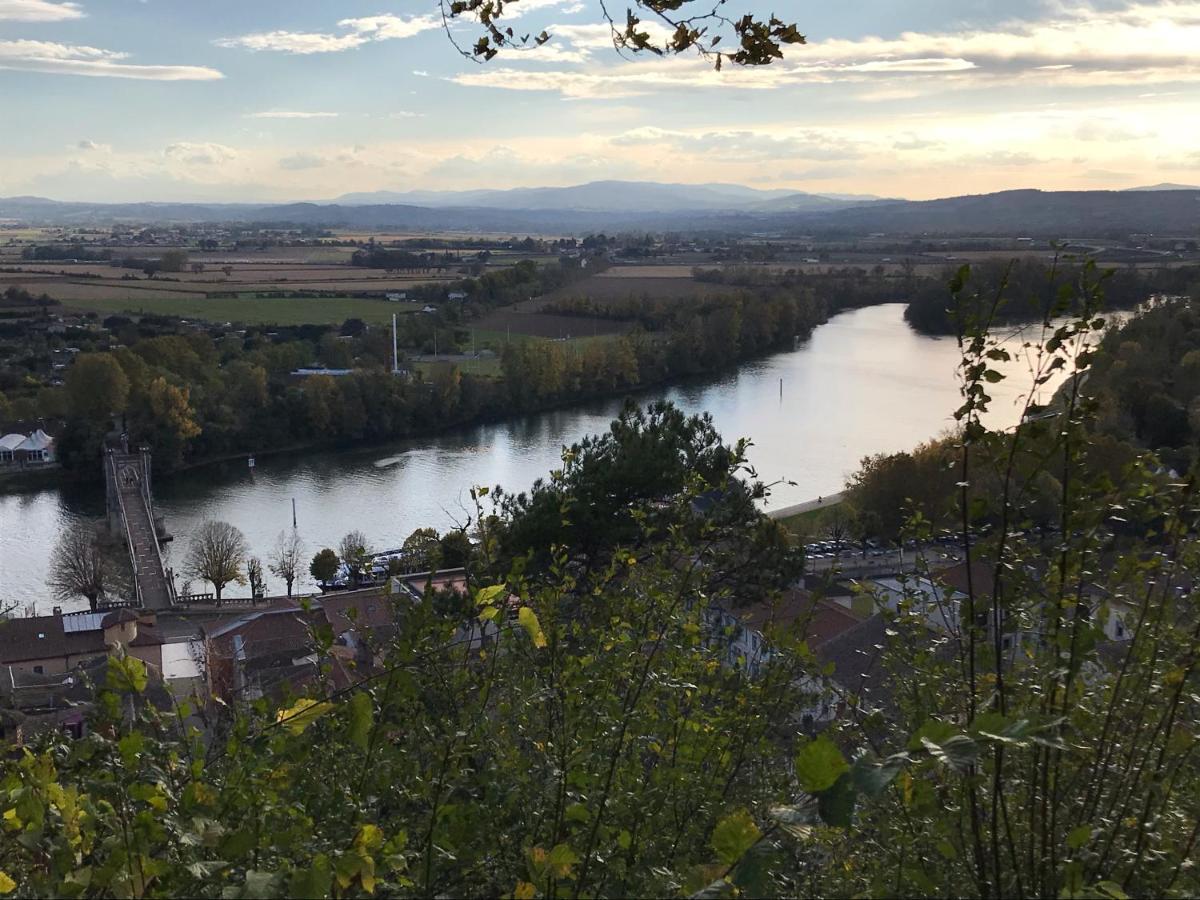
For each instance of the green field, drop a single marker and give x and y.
(255, 311)
(487, 367)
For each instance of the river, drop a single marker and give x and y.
(863, 383)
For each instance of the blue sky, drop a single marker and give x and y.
(264, 100)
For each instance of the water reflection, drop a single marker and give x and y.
(864, 383)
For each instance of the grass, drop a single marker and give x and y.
(254, 311)
(485, 367)
(497, 339)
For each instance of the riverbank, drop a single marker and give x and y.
(864, 383)
(825, 501)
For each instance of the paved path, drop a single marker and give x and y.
(795, 509)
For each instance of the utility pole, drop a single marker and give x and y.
(395, 356)
(293, 514)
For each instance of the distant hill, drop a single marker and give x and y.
(1042, 214)
(1166, 186)
(1029, 212)
(609, 196)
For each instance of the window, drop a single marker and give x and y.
(39, 670)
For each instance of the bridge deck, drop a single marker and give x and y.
(150, 573)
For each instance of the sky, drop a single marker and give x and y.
(282, 100)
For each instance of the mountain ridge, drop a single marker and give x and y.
(1022, 212)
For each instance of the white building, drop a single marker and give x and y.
(8, 446)
(32, 449)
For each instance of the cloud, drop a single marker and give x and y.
(298, 161)
(38, 11)
(290, 114)
(1079, 45)
(911, 141)
(93, 147)
(202, 154)
(1099, 130)
(73, 59)
(359, 31)
(1001, 158)
(747, 145)
(405, 114)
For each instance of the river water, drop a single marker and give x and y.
(863, 383)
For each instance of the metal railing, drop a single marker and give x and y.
(112, 465)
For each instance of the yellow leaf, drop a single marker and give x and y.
(369, 838)
(524, 891)
(302, 714)
(529, 621)
(7, 885)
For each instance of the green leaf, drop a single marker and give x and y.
(237, 844)
(837, 803)
(935, 730)
(130, 746)
(125, 674)
(577, 812)
(489, 595)
(560, 860)
(1079, 836)
(871, 777)
(797, 820)
(734, 835)
(315, 881)
(362, 714)
(958, 752)
(819, 764)
(1107, 890)
(529, 621)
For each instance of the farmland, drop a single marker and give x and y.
(252, 310)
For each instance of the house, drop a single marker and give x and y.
(745, 638)
(31, 703)
(397, 296)
(37, 448)
(8, 447)
(54, 644)
(270, 651)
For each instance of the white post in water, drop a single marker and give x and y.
(395, 356)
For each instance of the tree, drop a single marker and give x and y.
(287, 557)
(173, 261)
(355, 551)
(669, 28)
(423, 549)
(80, 566)
(456, 548)
(324, 566)
(256, 577)
(97, 387)
(216, 555)
(165, 419)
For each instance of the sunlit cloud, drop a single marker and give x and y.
(72, 59)
(38, 11)
(358, 32)
(1079, 46)
(291, 114)
(202, 154)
